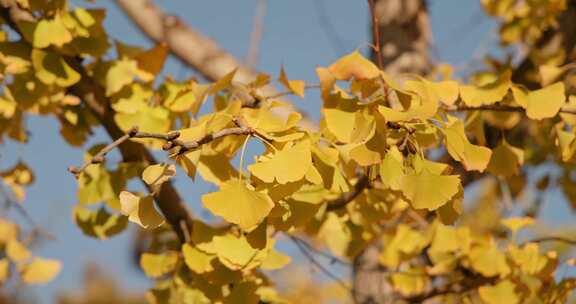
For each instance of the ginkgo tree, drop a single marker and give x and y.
(388, 162)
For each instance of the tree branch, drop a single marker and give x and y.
(171, 139)
(194, 49)
(501, 108)
(342, 201)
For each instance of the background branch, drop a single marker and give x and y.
(194, 49)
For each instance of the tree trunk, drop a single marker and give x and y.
(405, 37)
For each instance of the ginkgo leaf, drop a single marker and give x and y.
(120, 74)
(473, 157)
(17, 252)
(100, 223)
(392, 168)
(488, 260)
(517, 223)
(158, 174)
(197, 260)
(506, 159)
(287, 165)
(8, 231)
(503, 292)
(157, 265)
(238, 204)
(48, 32)
(487, 92)
(41, 271)
(140, 210)
(237, 253)
(353, 65)
(51, 69)
(543, 103)
(528, 258)
(152, 60)
(410, 281)
(4, 270)
(446, 91)
(429, 191)
(295, 86)
(275, 260)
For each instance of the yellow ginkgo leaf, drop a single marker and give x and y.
(287, 165)
(295, 86)
(238, 204)
(8, 231)
(392, 168)
(47, 32)
(16, 251)
(517, 223)
(487, 92)
(503, 292)
(275, 260)
(158, 174)
(152, 61)
(550, 73)
(528, 258)
(445, 91)
(430, 191)
(505, 160)
(40, 271)
(488, 260)
(473, 157)
(140, 210)
(543, 103)
(121, 73)
(157, 265)
(237, 253)
(410, 281)
(51, 69)
(197, 260)
(4, 270)
(353, 65)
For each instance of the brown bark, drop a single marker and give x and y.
(404, 38)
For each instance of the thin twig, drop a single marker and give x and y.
(286, 93)
(332, 258)
(376, 34)
(11, 202)
(256, 36)
(500, 108)
(321, 267)
(171, 139)
(342, 201)
(552, 239)
(328, 27)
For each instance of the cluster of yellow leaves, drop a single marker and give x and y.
(524, 20)
(18, 258)
(519, 272)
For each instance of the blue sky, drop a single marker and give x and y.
(293, 37)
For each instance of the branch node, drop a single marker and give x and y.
(133, 131)
(97, 159)
(173, 135)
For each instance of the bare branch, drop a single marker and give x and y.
(501, 108)
(559, 239)
(376, 38)
(256, 36)
(342, 201)
(171, 139)
(194, 49)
